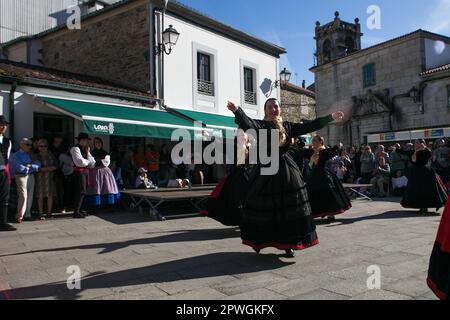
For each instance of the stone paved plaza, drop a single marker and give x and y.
(127, 256)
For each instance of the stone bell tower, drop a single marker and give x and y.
(336, 39)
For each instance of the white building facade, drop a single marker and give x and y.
(211, 64)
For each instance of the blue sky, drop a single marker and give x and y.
(290, 23)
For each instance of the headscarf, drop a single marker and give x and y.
(278, 122)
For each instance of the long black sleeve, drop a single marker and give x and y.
(244, 122)
(298, 129)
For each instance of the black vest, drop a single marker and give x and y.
(4, 151)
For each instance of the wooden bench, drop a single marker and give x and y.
(156, 197)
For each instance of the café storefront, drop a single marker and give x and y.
(390, 138)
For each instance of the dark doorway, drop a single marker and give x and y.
(48, 126)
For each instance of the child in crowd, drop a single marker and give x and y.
(142, 181)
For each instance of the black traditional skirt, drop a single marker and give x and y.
(439, 269)
(326, 193)
(276, 211)
(225, 203)
(425, 189)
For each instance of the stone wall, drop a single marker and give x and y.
(115, 48)
(398, 68)
(297, 106)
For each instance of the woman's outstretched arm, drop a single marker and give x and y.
(298, 129)
(242, 120)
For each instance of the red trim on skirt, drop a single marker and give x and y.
(441, 295)
(443, 236)
(7, 173)
(280, 246)
(216, 192)
(442, 183)
(326, 214)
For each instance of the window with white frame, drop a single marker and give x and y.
(205, 85)
(249, 86)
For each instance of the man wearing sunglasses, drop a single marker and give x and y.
(5, 151)
(22, 168)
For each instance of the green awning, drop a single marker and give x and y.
(225, 124)
(121, 120)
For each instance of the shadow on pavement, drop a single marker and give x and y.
(175, 236)
(205, 266)
(340, 220)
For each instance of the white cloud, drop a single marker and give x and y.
(439, 17)
(275, 38)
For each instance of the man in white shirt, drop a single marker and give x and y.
(83, 160)
(5, 151)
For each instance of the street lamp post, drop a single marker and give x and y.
(285, 76)
(170, 38)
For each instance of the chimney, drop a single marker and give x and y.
(303, 84)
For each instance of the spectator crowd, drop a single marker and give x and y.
(386, 169)
(57, 177)
(45, 175)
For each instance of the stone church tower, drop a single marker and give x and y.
(336, 39)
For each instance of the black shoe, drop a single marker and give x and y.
(331, 218)
(290, 253)
(7, 227)
(78, 215)
(423, 211)
(257, 250)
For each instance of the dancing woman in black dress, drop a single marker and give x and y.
(425, 188)
(439, 269)
(225, 203)
(275, 211)
(326, 194)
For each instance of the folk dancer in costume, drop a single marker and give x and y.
(425, 188)
(439, 269)
(275, 208)
(326, 193)
(5, 152)
(225, 203)
(102, 189)
(83, 161)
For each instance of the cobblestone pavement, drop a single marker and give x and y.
(127, 256)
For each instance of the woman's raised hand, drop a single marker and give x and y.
(338, 116)
(231, 106)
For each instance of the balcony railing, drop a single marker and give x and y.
(205, 87)
(250, 97)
